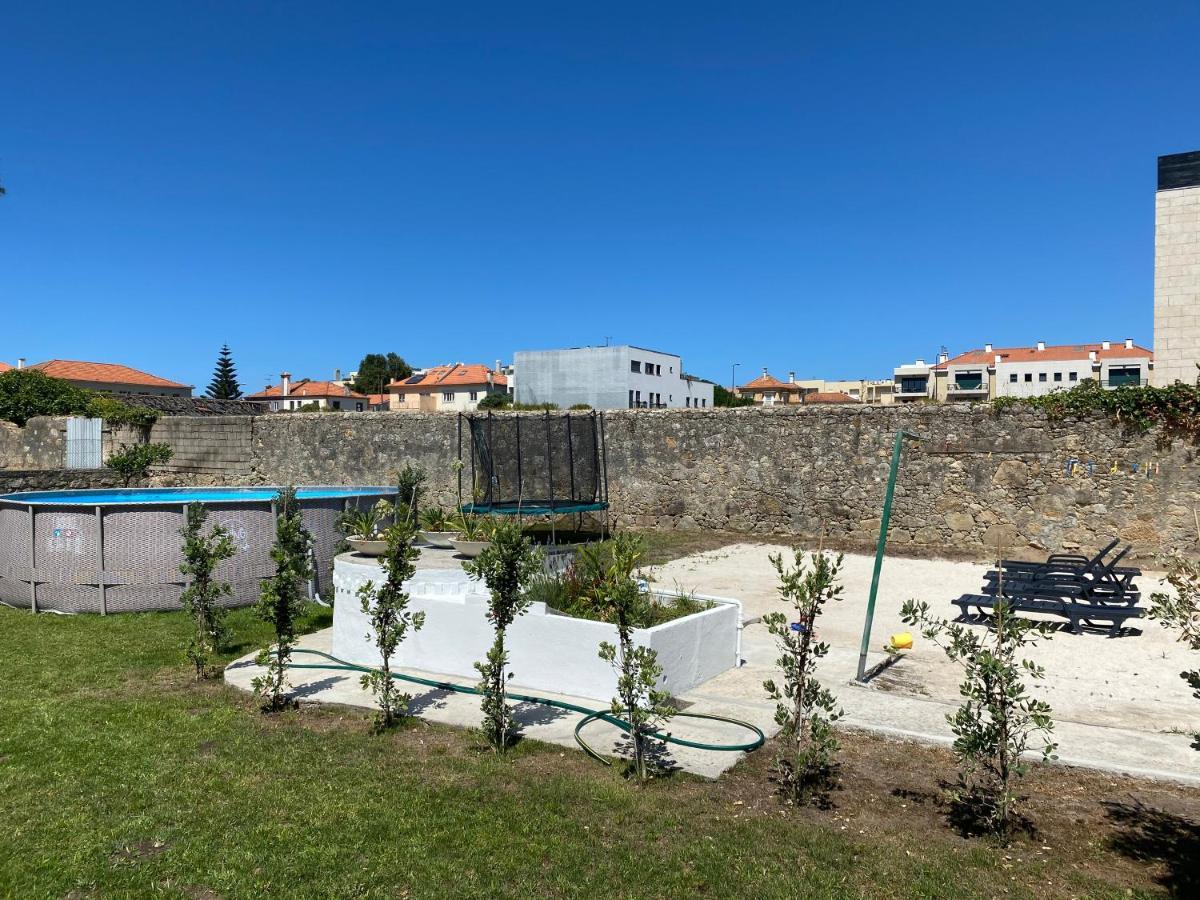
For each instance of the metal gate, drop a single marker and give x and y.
(84, 443)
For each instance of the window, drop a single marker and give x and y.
(649, 368)
(337, 404)
(912, 384)
(637, 397)
(1041, 376)
(704, 402)
(1125, 375)
(358, 407)
(657, 369)
(968, 381)
(1028, 377)
(687, 401)
(635, 366)
(447, 396)
(474, 396)
(1013, 378)
(1058, 376)
(1073, 376)
(631, 399)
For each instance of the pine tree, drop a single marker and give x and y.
(224, 385)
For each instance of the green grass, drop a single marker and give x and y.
(120, 776)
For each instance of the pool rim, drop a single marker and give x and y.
(17, 498)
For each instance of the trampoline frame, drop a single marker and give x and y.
(549, 506)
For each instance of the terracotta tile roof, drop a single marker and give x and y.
(4, 367)
(378, 399)
(828, 397)
(457, 375)
(106, 373)
(768, 382)
(1055, 353)
(307, 388)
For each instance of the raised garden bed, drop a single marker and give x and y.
(549, 651)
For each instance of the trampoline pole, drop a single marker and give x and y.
(550, 470)
(520, 475)
(604, 472)
(459, 466)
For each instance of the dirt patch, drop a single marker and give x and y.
(132, 854)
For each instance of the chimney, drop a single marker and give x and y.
(919, 362)
(1128, 343)
(1106, 345)
(1041, 345)
(337, 374)
(791, 377)
(764, 370)
(287, 382)
(1091, 356)
(997, 359)
(497, 369)
(987, 348)
(20, 362)
(943, 357)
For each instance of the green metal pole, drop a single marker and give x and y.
(883, 530)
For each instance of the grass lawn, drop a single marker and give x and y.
(120, 776)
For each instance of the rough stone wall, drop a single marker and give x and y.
(41, 444)
(978, 479)
(12, 480)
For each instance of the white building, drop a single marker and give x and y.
(913, 381)
(330, 395)
(621, 377)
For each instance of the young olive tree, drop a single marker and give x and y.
(391, 621)
(202, 553)
(410, 486)
(998, 719)
(282, 597)
(619, 599)
(507, 565)
(805, 709)
(1181, 613)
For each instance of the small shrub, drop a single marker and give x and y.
(998, 718)
(368, 522)
(1181, 613)
(202, 553)
(410, 488)
(391, 620)
(805, 709)
(506, 566)
(639, 701)
(282, 598)
(134, 460)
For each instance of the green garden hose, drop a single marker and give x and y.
(589, 715)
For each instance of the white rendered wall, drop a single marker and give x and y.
(547, 652)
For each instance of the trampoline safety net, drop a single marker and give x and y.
(515, 464)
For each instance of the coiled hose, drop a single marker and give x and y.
(589, 715)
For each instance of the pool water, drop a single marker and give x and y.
(177, 496)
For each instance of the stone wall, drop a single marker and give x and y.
(12, 480)
(977, 480)
(41, 444)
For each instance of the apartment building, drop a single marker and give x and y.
(1177, 268)
(1023, 371)
(611, 377)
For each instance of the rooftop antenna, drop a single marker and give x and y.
(607, 337)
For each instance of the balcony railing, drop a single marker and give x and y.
(968, 387)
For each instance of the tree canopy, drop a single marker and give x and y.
(224, 384)
(376, 371)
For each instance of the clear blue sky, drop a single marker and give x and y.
(829, 188)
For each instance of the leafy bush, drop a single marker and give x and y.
(805, 709)
(410, 483)
(134, 460)
(435, 519)
(202, 553)
(1175, 409)
(1181, 613)
(282, 597)
(998, 717)
(505, 401)
(639, 701)
(725, 397)
(367, 522)
(506, 566)
(27, 393)
(387, 610)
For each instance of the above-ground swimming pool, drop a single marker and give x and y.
(108, 551)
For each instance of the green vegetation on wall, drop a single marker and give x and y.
(27, 393)
(1175, 409)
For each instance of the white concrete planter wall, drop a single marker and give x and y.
(547, 651)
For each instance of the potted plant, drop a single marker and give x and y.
(474, 534)
(364, 528)
(436, 528)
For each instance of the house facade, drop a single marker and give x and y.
(612, 377)
(291, 395)
(457, 387)
(111, 378)
(992, 372)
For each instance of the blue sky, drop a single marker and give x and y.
(826, 188)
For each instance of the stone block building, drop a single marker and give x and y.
(1177, 269)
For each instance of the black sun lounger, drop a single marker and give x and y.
(1104, 584)
(1078, 614)
(1065, 564)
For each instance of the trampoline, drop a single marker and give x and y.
(533, 465)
